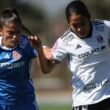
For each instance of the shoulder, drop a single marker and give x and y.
(67, 36)
(24, 41)
(98, 22)
(107, 23)
(100, 25)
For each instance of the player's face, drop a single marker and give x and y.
(11, 34)
(80, 25)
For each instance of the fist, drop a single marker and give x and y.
(35, 41)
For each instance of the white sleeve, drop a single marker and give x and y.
(108, 25)
(59, 50)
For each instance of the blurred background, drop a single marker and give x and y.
(46, 18)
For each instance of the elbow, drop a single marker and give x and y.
(45, 71)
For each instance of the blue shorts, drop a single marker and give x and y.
(20, 106)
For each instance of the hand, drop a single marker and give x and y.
(48, 52)
(35, 42)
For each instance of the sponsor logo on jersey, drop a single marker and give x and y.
(4, 56)
(7, 56)
(16, 55)
(91, 52)
(78, 46)
(100, 39)
(92, 86)
(11, 65)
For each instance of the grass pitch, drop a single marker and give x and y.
(55, 107)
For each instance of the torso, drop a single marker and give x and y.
(14, 72)
(89, 62)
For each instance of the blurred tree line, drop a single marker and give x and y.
(99, 9)
(49, 29)
(33, 17)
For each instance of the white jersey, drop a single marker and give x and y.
(89, 62)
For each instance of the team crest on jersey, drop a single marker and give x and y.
(100, 39)
(16, 55)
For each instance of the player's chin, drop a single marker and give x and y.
(13, 44)
(82, 36)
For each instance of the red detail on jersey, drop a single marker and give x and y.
(16, 55)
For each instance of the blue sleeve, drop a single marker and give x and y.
(33, 53)
(30, 51)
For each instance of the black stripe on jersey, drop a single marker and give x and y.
(67, 36)
(65, 33)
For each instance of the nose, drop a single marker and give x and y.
(79, 29)
(14, 36)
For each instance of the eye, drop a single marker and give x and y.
(74, 25)
(82, 24)
(11, 32)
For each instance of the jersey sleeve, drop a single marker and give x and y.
(25, 43)
(107, 23)
(59, 50)
(33, 52)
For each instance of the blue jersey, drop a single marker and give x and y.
(15, 82)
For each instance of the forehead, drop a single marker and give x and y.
(75, 18)
(14, 26)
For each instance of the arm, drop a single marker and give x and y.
(45, 64)
(56, 54)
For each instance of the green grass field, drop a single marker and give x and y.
(55, 107)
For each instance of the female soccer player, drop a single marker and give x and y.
(16, 53)
(86, 45)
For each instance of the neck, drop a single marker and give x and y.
(5, 46)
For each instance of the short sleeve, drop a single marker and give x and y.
(59, 50)
(26, 46)
(107, 23)
(33, 53)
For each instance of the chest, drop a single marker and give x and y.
(95, 45)
(12, 59)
